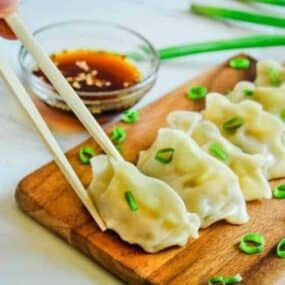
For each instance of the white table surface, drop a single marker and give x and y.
(28, 253)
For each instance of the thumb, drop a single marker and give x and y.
(7, 7)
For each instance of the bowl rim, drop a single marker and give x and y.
(23, 52)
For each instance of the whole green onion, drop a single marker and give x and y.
(252, 238)
(271, 2)
(164, 155)
(233, 14)
(280, 251)
(279, 191)
(85, 154)
(235, 43)
(131, 201)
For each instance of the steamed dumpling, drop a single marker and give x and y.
(248, 168)
(269, 73)
(272, 99)
(249, 127)
(161, 219)
(208, 187)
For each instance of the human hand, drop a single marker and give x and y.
(6, 7)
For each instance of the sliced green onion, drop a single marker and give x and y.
(233, 124)
(217, 280)
(233, 279)
(249, 239)
(130, 116)
(197, 92)
(275, 76)
(239, 63)
(279, 191)
(131, 201)
(165, 155)
(282, 115)
(218, 151)
(118, 135)
(85, 154)
(281, 249)
(248, 92)
(228, 92)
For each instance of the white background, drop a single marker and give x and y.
(28, 253)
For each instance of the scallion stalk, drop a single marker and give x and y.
(238, 15)
(271, 2)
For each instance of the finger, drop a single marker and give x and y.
(5, 31)
(7, 7)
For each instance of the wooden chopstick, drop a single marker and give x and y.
(61, 85)
(26, 102)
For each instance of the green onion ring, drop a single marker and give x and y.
(233, 124)
(233, 279)
(118, 135)
(85, 154)
(197, 92)
(281, 249)
(131, 201)
(130, 116)
(218, 151)
(279, 191)
(274, 76)
(239, 63)
(248, 92)
(164, 155)
(255, 238)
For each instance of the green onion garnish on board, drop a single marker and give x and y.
(85, 154)
(280, 251)
(118, 135)
(218, 151)
(197, 92)
(216, 280)
(238, 15)
(233, 124)
(239, 63)
(252, 243)
(131, 201)
(279, 191)
(234, 43)
(130, 116)
(282, 115)
(225, 280)
(275, 76)
(164, 155)
(248, 92)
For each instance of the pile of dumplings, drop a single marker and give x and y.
(211, 163)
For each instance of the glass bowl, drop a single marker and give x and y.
(93, 35)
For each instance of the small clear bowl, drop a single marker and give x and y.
(93, 35)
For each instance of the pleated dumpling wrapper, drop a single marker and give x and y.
(208, 187)
(272, 99)
(155, 217)
(250, 169)
(252, 129)
(269, 73)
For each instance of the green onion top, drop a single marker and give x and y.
(249, 239)
(197, 92)
(233, 124)
(274, 76)
(85, 154)
(225, 280)
(218, 151)
(118, 135)
(164, 155)
(130, 116)
(131, 201)
(279, 191)
(280, 251)
(239, 63)
(248, 92)
(282, 115)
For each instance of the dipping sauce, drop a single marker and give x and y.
(94, 71)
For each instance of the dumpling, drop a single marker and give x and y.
(272, 99)
(269, 73)
(155, 216)
(208, 187)
(246, 125)
(249, 168)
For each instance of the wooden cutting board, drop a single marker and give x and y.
(46, 196)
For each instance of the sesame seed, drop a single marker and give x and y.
(82, 64)
(76, 85)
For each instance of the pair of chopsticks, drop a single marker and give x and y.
(71, 98)
(241, 15)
